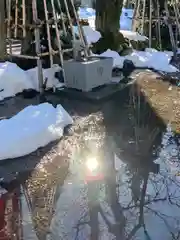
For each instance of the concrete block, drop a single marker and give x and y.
(87, 75)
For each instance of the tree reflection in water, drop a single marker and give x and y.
(137, 199)
(141, 201)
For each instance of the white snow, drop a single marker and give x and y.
(126, 19)
(150, 58)
(12, 80)
(92, 36)
(47, 73)
(33, 127)
(133, 35)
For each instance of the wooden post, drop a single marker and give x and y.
(2, 30)
(38, 46)
(150, 24)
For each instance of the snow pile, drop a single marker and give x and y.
(48, 73)
(92, 36)
(32, 128)
(150, 58)
(133, 36)
(12, 80)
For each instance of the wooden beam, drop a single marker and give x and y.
(2, 30)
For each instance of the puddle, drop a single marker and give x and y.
(137, 195)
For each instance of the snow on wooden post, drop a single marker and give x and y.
(2, 31)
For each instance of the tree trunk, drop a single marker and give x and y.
(108, 14)
(2, 30)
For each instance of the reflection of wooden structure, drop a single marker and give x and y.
(10, 216)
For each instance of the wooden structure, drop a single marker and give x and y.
(23, 19)
(10, 216)
(151, 18)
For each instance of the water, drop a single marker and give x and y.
(126, 138)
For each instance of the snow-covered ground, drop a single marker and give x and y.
(33, 127)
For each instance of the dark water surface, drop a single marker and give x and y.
(137, 196)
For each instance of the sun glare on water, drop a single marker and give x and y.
(92, 164)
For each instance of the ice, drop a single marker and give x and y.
(33, 127)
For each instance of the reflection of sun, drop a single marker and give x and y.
(92, 163)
